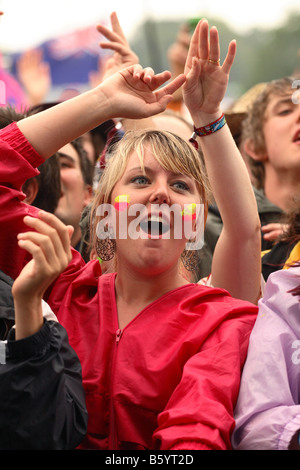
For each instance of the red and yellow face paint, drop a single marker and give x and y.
(189, 212)
(122, 202)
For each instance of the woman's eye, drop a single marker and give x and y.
(140, 180)
(284, 111)
(65, 165)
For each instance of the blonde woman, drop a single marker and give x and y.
(161, 357)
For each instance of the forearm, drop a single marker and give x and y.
(131, 93)
(229, 179)
(51, 129)
(51, 412)
(232, 269)
(28, 317)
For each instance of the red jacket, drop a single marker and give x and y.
(170, 379)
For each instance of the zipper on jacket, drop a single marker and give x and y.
(118, 335)
(113, 440)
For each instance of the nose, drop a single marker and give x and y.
(160, 193)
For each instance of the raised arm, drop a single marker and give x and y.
(236, 260)
(129, 93)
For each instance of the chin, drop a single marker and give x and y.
(155, 265)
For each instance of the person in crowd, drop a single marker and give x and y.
(42, 400)
(76, 175)
(272, 120)
(177, 55)
(287, 245)
(143, 391)
(268, 407)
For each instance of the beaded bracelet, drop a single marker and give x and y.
(207, 130)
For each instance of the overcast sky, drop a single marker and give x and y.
(27, 23)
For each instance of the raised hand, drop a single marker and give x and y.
(49, 245)
(35, 75)
(123, 55)
(136, 92)
(274, 230)
(207, 79)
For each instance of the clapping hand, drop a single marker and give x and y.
(49, 245)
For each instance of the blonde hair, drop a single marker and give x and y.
(172, 153)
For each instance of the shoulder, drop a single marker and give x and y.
(12, 139)
(218, 302)
(212, 310)
(278, 297)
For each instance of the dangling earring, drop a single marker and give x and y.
(190, 260)
(106, 246)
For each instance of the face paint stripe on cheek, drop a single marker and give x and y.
(189, 212)
(121, 202)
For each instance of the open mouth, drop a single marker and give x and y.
(154, 227)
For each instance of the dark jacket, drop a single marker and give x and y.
(42, 401)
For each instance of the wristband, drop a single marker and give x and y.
(208, 129)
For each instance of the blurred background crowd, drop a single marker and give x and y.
(51, 51)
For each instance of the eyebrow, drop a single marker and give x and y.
(139, 168)
(149, 170)
(287, 100)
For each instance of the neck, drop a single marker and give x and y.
(134, 286)
(282, 189)
(76, 236)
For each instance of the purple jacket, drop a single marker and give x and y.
(268, 408)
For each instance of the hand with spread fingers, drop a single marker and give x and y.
(135, 92)
(116, 40)
(207, 79)
(124, 60)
